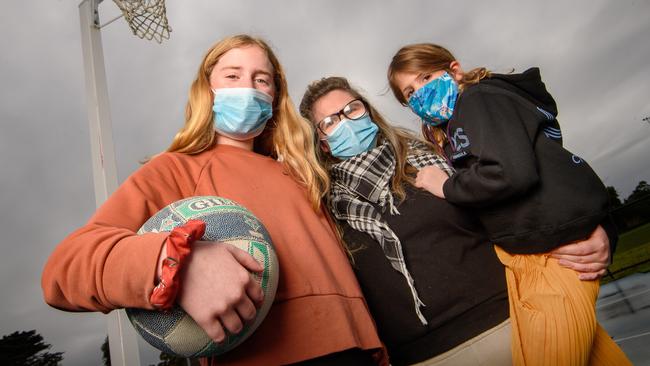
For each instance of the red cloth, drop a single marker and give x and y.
(179, 244)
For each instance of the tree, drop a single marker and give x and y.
(27, 348)
(106, 352)
(642, 190)
(614, 198)
(171, 360)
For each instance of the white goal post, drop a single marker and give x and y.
(122, 337)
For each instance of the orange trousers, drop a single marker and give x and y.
(553, 315)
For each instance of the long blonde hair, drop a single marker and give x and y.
(426, 58)
(397, 138)
(285, 137)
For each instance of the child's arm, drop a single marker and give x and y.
(492, 150)
(432, 179)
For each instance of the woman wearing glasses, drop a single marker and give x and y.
(433, 283)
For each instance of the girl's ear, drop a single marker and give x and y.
(324, 146)
(456, 70)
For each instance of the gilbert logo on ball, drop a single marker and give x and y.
(174, 331)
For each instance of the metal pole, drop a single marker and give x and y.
(122, 338)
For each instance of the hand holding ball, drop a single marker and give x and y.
(175, 332)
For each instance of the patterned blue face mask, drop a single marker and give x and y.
(434, 102)
(241, 113)
(352, 137)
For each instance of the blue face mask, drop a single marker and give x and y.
(434, 102)
(352, 137)
(241, 113)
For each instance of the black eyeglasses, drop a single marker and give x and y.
(353, 110)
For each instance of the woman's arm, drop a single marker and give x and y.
(589, 257)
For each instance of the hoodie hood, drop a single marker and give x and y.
(529, 85)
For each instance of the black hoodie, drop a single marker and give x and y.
(531, 194)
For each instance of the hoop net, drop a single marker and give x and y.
(147, 18)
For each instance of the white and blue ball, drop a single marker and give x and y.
(174, 331)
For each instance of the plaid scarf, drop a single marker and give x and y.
(364, 180)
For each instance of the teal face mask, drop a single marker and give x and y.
(352, 137)
(241, 113)
(435, 101)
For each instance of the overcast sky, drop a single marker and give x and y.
(593, 55)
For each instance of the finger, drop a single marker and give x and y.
(591, 258)
(582, 248)
(584, 267)
(232, 322)
(597, 257)
(255, 293)
(245, 259)
(587, 276)
(246, 310)
(592, 275)
(212, 327)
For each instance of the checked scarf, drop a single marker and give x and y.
(363, 181)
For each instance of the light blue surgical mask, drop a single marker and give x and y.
(241, 113)
(352, 137)
(434, 102)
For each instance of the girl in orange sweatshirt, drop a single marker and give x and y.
(240, 91)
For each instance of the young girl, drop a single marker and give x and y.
(532, 195)
(239, 119)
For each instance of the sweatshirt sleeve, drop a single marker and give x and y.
(105, 265)
(491, 149)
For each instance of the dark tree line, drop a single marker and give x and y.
(634, 210)
(642, 190)
(165, 359)
(30, 349)
(27, 348)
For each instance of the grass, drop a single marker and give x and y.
(632, 253)
(633, 238)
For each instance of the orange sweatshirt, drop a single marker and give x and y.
(318, 309)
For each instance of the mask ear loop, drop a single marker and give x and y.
(268, 133)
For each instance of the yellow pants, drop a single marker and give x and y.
(553, 315)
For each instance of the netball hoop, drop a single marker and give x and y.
(147, 19)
